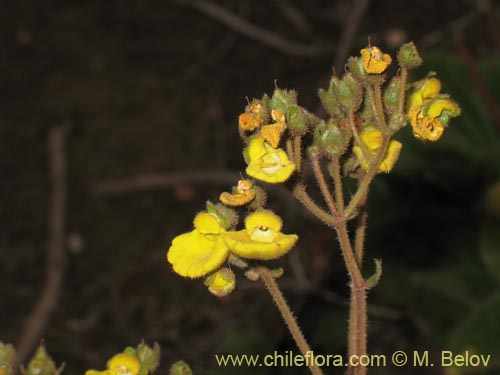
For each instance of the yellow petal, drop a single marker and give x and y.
(241, 244)
(125, 364)
(391, 156)
(361, 157)
(374, 61)
(249, 121)
(436, 108)
(273, 166)
(430, 88)
(95, 372)
(372, 138)
(207, 223)
(272, 134)
(244, 185)
(415, 100)
(239, 199)
(256, 149)
(194, 254)
(264, 218)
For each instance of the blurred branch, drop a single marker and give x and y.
(255, 32)
(348, 32)
(478, 81)
(40, 315)
(162, 180)
(294, 16)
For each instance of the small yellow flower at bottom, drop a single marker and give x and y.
(200, 252)
(221, 283)
(374, 60)
(120, 364)
(267, 163)
(240, 196)
(261, 238)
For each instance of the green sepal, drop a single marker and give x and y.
(42, 364)
(355, 65)
(237, 261)
(260, 198)
(296, 120)
(180, 368)
(330, 140)
(277, 272)
(7, 358)
(374, 279)
(228, 217)
(148, 357)
(408, 56)
(282, 99)
(392, 94)
(348, 91)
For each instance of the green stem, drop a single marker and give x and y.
(380, 107)
(288, 317)
(337, 179)
(297, 151)
(320, 178)
(359, 235)
(289, 149)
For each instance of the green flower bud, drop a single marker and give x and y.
(7, 357)
(348, 91)
(397, 120)
(282, 99)
(42, 364)
(409, 57)
(329, 139)
(355, 65)
(328, 100)
(180, 368)
(391, 95)
(297, 121)
(148, 357)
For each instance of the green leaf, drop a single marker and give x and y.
(489, 247)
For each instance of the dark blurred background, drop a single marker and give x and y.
(148, 93)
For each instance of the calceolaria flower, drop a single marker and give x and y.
(120, 364)
(272, 132)
(221, 282)
(241, 195)
(267, 163)
(261, 238)
(374, 60)
(372, 140)
(251, 119)
(428, 122)
(429, 111)
(200, 252)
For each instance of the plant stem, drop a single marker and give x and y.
(299, 192)
(339, 191)
(297, 146)
(367, 178)
(359, 235)
(286, 313)
(289, 149)
(402, 91)
(320, 178)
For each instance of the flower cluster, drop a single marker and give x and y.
(364, 114)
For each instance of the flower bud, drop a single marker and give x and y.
(330, 140)
(409, 57)
(348, 91)
(260, 198)
(221, 283)
(148, 357)
(391, 95)
(282, 99)
(228, 217)
(297, 121)
(7, 357)
(42, 364)
(180, 368)
(355, 65)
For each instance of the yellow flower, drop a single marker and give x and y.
(374, 60)
(372, 140)
(272, 132)
(240, 196)
(200, 252)
(221, 283)
(428, 121)
(426, 89)
(120, 364)
(248, 121)
(267, 163)
(261, 238)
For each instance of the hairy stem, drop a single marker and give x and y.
(339, 191)
(320, 178)
(288, 317)
(299, 192)
(359, 235)
(297, 146)
(402, 91)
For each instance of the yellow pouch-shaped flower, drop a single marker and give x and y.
(374, 60)
(261, 238)
(428, 121)
(221, 283)
(200, 252)
(426, 89)
(267, 163)
(242, 195)
(372, 140)
(120, 364)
